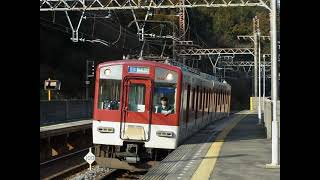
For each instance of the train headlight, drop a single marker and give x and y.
(107, 72)
(169, 77)
(165, 134)
(105, 129)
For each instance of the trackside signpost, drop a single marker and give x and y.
(90, 158)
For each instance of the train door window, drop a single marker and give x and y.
(109, 94)
(136, 97)
(167, 90)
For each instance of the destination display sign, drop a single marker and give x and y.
(138, 69)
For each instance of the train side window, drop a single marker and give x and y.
(192, 100)
(109, 94)
(197, 102)
(188, 102)
(137, 93)
(214, 100)
(200, 99)
(205, 103)
(167, 90)
(203, 100)
(209, 101)
(208, 98)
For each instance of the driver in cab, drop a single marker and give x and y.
(165, 108)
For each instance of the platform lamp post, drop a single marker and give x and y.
(89, 74)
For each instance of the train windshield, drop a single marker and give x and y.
(109, 94)
(164, 92)
(137, 93)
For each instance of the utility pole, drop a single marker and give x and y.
(259, 67)
(174, 43)
(182, 27)
(274, 82)
(255, 72)
(264, 81)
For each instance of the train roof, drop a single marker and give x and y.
(172, 65)
(142, 62)
(202, 75)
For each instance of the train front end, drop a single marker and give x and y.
(127, 129)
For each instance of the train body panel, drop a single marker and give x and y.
(106, 132)
(161, 136)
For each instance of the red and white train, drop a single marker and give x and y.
(127, 129)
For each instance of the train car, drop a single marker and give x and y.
(128, 128)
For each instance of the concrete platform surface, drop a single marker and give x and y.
(245, 153)
(233, 148)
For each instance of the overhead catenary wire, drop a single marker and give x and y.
(112, 24)
(68, 30)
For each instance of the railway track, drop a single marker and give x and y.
(124, 175)
(73, 167)
(99, 173)
(64, 166)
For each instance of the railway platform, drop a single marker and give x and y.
(63, 128)
(233, 148)
(64, 138)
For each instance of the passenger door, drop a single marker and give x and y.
(136, 112)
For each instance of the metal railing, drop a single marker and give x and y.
(59, 111)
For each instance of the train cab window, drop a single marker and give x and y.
(109, 94)
(167, 90)
(137, 93)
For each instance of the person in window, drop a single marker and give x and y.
(165, 108)
(111, 104)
